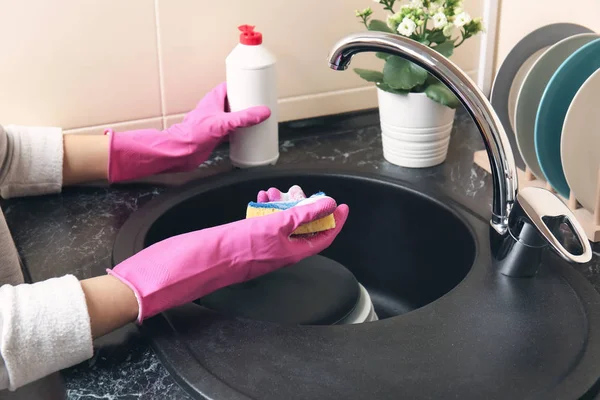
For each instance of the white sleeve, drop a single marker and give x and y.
(31, 160)
(44, 327)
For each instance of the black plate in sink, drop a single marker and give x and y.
(314, 291)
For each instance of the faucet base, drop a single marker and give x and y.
(518, 254)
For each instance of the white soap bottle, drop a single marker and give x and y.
(252, 81)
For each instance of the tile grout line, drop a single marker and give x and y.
(304, 97)
(161, 83)
(471, 73)
(326, 94)
(108, 124)
(163, 117)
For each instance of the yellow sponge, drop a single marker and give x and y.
(262, 209)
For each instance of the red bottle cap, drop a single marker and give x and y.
(249, 37)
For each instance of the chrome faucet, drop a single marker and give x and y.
(513, 211)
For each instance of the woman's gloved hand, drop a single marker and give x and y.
(186, 267)
(182, 147)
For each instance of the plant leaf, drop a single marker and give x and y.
(369, 75)
(437, 37)
(419, 88)
(386, 88)
(383, 56)
(446, 49)
(431, 80)
(441, 94)
(401, 74)
(380, 26)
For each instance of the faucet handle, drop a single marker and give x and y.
(548, 213)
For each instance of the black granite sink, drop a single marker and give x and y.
(450, 325)
(387, 242)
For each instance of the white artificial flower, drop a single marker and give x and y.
(390, 21)
(439, 20)
(396, 17)
(407, 27)
(448, 30)
(416, 3)
(462, 19)
(437, 6)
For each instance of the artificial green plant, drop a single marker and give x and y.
(442, 25)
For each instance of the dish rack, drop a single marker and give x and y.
(589, 221)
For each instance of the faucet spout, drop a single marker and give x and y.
(504, 171)
(512, 213)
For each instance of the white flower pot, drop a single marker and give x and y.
(415, 129)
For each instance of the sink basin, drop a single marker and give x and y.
(450, 325)
(389, 252)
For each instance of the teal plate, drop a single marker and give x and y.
(555, 102)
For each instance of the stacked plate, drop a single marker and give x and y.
(546, 94)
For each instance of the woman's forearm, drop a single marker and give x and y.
(85, 158)
(46, 328)
(111, 304)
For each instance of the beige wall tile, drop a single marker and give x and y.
(173, 119)
(467, 55)
(518, 18)
(334, 102)
(196, 36)
(150, 123)
(75, 63)
(92, 63)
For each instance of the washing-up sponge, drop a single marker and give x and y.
(260, 209)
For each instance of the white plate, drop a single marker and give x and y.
(517, 84)
(580, 142)
(535, 41)
(530, 94)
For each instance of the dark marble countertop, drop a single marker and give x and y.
(73, 233)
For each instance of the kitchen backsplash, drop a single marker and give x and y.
(517, 18)
(87, 64)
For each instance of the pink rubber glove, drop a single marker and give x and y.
(186, 267)
(183, 146)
